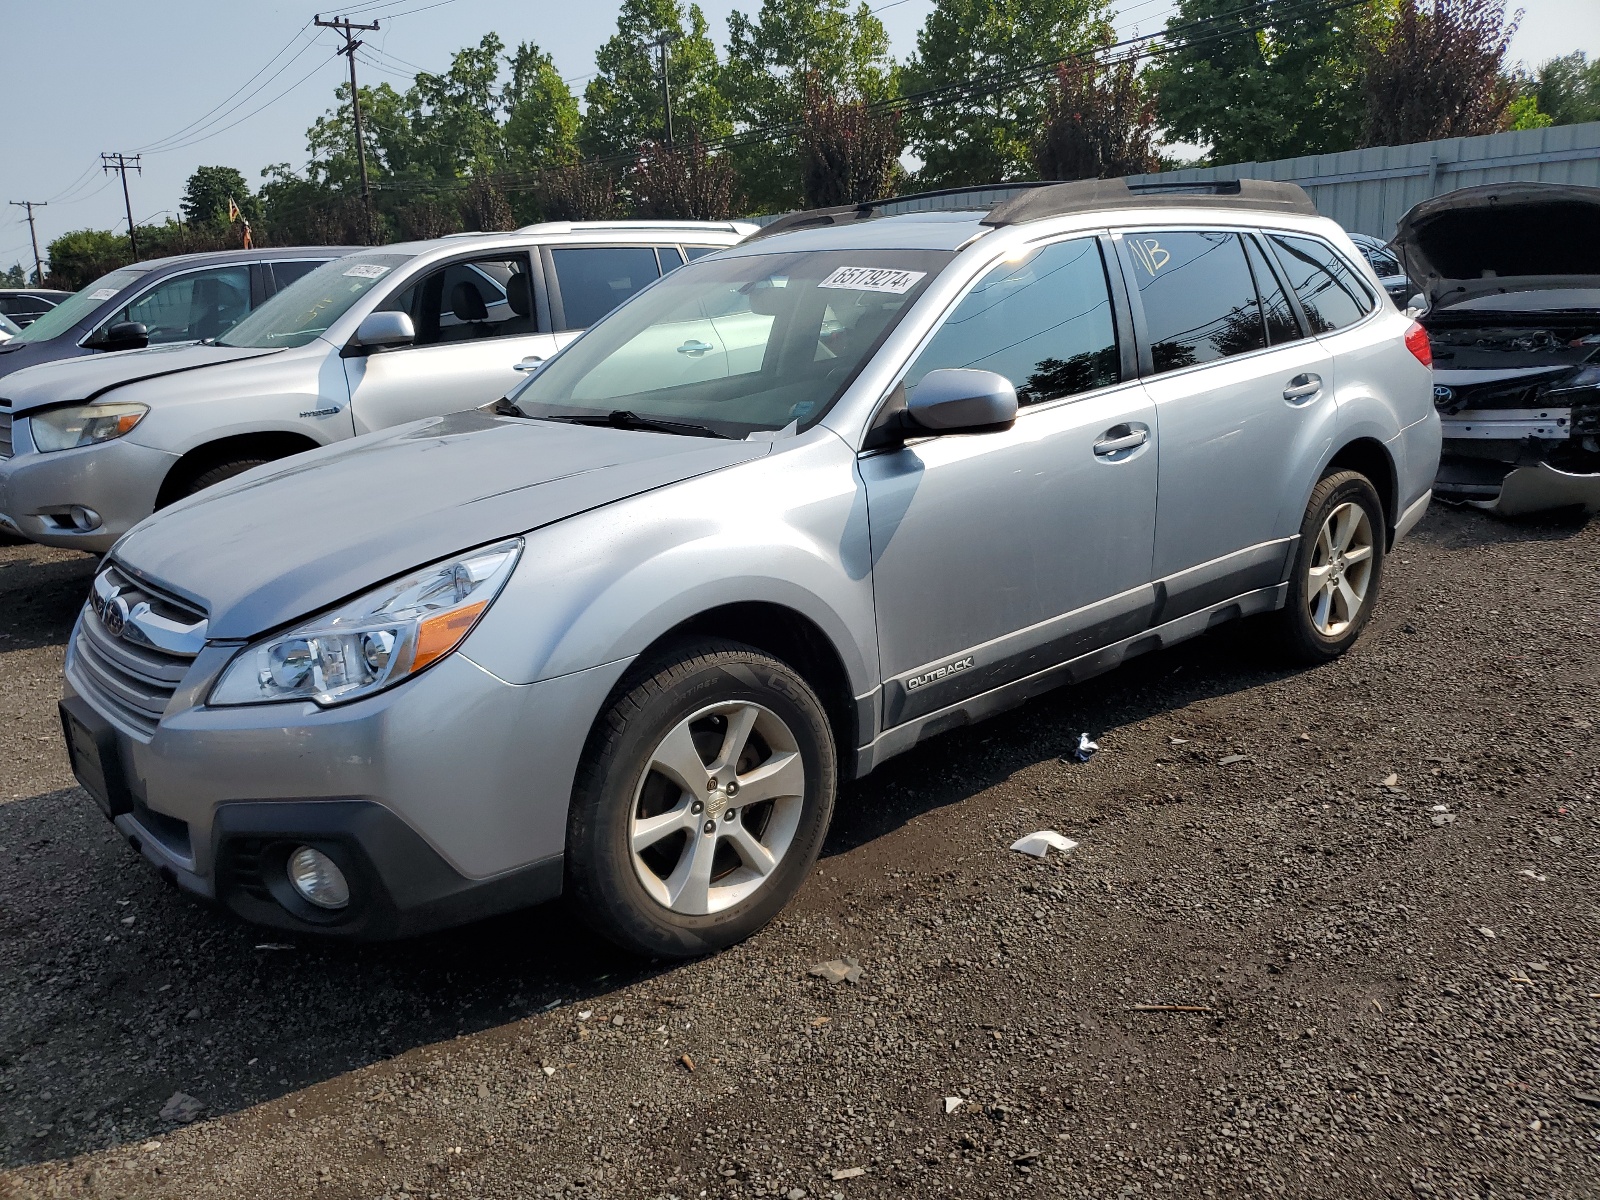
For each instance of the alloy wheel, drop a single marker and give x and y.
(1341, 569)
(716, 807)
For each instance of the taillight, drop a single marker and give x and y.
(1417, 343)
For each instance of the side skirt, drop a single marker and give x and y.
(1074, 670)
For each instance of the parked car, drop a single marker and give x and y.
(26, 305)
(8, 329)
(187, 298)
(1386, 266)
(1510, 276)
(383, 337)
(622, 635)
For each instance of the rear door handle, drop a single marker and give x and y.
(1303, 389)
(1120, 438)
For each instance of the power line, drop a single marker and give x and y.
(209, 134)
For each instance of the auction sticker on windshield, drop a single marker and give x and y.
(368, 271)
(102, 293)
(873, 279)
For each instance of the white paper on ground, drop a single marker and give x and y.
(1040, 844)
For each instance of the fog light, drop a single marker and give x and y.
(85, 519)
(318, 878)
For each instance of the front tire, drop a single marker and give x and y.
(1338, 569)
(701, 803)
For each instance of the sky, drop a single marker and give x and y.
(88, 76)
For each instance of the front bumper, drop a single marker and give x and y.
(116, 480)
(443, 799)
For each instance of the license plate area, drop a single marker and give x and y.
(96, 761)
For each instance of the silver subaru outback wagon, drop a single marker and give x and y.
(789, 511)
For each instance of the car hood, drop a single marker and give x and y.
(16, 356)
(1502, 238)
(291, 538)
(88, 378)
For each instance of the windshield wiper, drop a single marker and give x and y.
(621, 418)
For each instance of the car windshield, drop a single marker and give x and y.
(306, 308)
(79, 305)
(735, 345)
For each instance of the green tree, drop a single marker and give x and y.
(14, 276)
(970, 133)
(541, 128)
(454, 118)
(623, 101)
(1523, 113)
(1280, 80)
(1568, 88)
(386, 132)
(790, 49)
(206, 196)
(82, 256)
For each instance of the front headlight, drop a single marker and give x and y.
(375, 641)
(83, 424)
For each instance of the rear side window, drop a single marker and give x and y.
(595, 279)
(1198, 295)
(1331, 293)
(285, 273)
(671, 258)
(1044, 323)
(1281, 323)
(695, 252)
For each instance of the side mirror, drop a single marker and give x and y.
(384, 331)
(125, 335)
(957, 400)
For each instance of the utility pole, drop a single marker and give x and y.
(38, 263)
(351, 42)
(120, 163)
(662, 40)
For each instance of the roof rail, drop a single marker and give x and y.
(1085, 195)
(632, 225)
(1033, 201)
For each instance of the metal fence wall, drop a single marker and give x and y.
(1368, 191)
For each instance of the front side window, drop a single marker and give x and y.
(1199, 298)
(79, 305)
(595, 279)
(1044, 323)
(305, 309)
(736, 345)
(469, 301)
(1331, 293)
(191, 307)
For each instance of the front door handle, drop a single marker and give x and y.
(532, 363)
(1121, 438)
(695, 349)
(1303, 389)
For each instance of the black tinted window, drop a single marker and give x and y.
(671, 258)
(595, 279)
(1199, 299)
(1281, 324)
(1329, 289)
(695, 252)
(1044, 323)
(285, 273)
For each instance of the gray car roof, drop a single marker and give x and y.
(217, 258)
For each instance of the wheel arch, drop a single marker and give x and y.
(1371, 458)
(270, 444)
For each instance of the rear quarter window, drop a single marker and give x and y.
(1328, 288)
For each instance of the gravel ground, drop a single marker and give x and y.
(1367, 893)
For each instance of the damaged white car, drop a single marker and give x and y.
(1509, 276)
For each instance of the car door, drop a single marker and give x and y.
(476, 320)
(996, 555)
(1244, 402)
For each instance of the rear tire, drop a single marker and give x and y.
(702, 802)
(219, 474)
(1338, 569)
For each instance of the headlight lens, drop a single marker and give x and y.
(375, 641)
(83, 424)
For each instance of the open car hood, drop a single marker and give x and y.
(1503, 238)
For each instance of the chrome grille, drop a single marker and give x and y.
(131, 677)
(5, 435)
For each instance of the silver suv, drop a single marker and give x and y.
(92, 446)
(788, 512)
